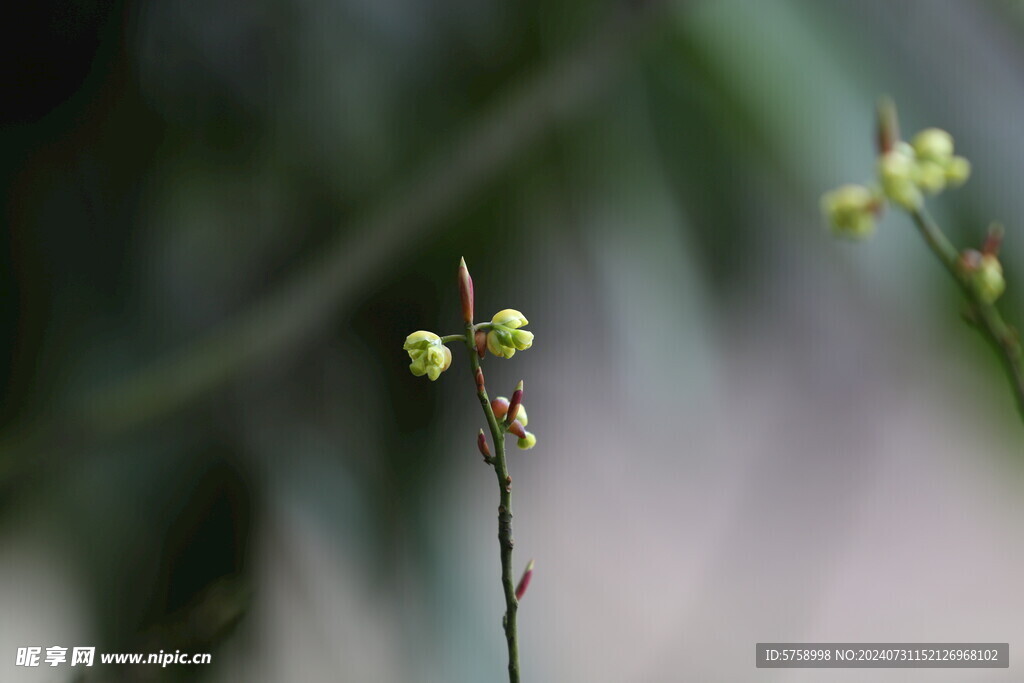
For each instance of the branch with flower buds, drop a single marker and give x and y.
(503, 336)
(906, 173)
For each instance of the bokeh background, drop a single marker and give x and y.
(222, 219)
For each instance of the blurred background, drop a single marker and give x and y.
(222, 219)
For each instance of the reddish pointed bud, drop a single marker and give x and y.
(994, 240)
(499, 407)
(517, 428)
(465, 291)
(887, 126)
(481, 343)
(513, 405)
(479, 379)
(524, 582)
(481, 443)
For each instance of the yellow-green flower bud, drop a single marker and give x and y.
(897, 172)
(522, 339)
(510, 318)
(933, 144)
(499, 342)
(528, 442)
(429, 355)
(505, 337)
(937, 167)
(958, 170)
(930, 176)
(851, 210)
(988, 280)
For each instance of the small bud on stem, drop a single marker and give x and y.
(887, 130)
(500, 407)
(465, 291)
(517, 428)
(994, 240)
(480, 338)
(524, 582)
(481, 443)
(513, 404)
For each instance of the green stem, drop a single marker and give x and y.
(451, 338)
(985, 316)
(504, 513)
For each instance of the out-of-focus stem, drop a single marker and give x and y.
(1003, 338)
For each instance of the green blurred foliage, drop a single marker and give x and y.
(183, 161)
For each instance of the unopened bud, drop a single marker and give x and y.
(465, 291)
(527, 442)
(851, 210)
(505, 337)
(480, 338)
(933, 144)
(524, 582)
(984, 274)
(517, 428)
(428, 353)
(993, 240)
(988, 281)
(500, 407)
(479, 377)
(958, 170)
(513, 405)
(481, 443)
(897, 172)
(887, 126)
(930, 176)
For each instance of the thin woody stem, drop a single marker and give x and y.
(1003, 338)
(504, 511)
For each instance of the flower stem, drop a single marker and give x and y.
(1003, 338)
(504, 512)
(451, 338)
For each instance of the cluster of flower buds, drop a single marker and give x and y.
(505, 336)
(905, 173)
(429, 355)
(925, 166)
(513, 414)
(852, 210)
(982, 269)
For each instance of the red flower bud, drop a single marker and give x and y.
(481, 343)
(465, 291)
(994, 240)
(481, 443)
(513, 405)
(517, 428)
(524, 582)
(500, 407)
